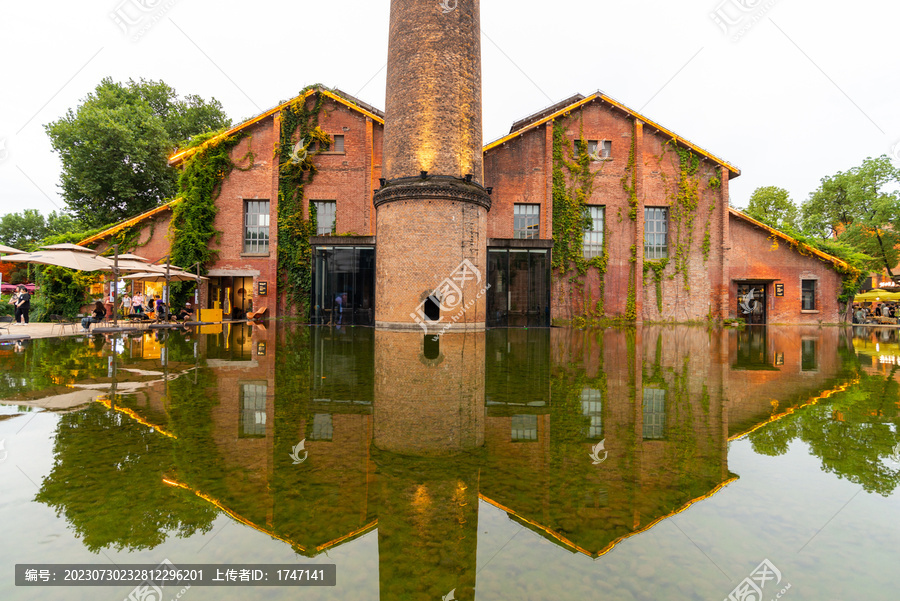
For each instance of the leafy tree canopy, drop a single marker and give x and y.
(114, 147)
(27, 230)
(773, 206)
(860, 207)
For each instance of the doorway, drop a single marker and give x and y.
(751, 303)
(233, 295)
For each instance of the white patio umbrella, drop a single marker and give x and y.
(10, 250)
(82, 260)
(174, 276)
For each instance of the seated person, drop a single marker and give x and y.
(186, 313)
(96, 317)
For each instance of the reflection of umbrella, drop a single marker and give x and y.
(73, 259)
(10, 250)
(174, 276)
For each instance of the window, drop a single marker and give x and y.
(593, 238)
(592, 407)
(808, 295)
(655, 228)
(253, 410)
(605, 150)
(596, 149)
(337, 145)
(526, 221)
(808, 359)
(256, 226)
(524, 428)
(654, 413)
(325, 216)
(322, 427)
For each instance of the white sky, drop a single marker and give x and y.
(809, 89)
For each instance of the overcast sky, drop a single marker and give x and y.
(789, 91)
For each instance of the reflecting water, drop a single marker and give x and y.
(657, 463)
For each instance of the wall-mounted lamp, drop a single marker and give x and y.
(468, 178)
(489, 189)
(382, 181)
(423, 174)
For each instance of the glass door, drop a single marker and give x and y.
(751, 303)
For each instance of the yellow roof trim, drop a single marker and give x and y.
(128, 223)
(790, 410)
(180, 156)
(598, 96)
(818, 253)
(568, 543)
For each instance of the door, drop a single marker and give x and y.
(751, 303)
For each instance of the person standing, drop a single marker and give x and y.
(126, 305)
(23, 306)
(137, 301)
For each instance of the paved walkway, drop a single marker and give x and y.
(51, 330)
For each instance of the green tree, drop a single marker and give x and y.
(773, 206)
(860, 207)
(114, 147)
(22, 230)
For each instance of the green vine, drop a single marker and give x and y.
(631, 301)
(199, 184)
(573, 184)
(657, 268)
(296, 169)
(629, 179)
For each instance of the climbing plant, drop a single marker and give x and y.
(299, 130)
(199, 184)
(192, 227)
(573, 184)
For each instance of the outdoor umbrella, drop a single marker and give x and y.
(876, 296)
(82, 260)
(174, 276)
(10, 250)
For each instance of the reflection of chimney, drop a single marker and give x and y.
(427, 525)
(429, 424)
(429, 395)
(431, 209)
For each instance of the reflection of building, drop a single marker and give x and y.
(582, 437)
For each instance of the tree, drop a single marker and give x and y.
(28, 229)
(114, 147)
(773, 206)
(862, 208)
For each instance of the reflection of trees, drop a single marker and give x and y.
(107, 482)
(50, 362)
(852, 434)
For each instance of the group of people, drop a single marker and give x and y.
(863, 314)
(21, 300)
(135, 306)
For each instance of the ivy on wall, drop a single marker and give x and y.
(199, 184)
(573, 184)
(299, 130)
(192, 228)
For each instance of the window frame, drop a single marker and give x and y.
(256, 248)
(532, 228)
(651, 250)
(318, 203)
(803, 295)
(585, 244)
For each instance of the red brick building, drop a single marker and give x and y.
(645, 200)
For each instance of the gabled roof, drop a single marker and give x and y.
(839, 263)
(129, 222)
(575, 102)
(336, 95)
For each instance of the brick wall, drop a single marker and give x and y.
(756, 255)
(420, 244)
